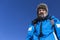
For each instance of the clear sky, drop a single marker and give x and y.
(16, 15)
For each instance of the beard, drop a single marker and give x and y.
(42, 15)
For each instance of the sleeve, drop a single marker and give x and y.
(30, 32)
(57, 27)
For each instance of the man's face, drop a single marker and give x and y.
(42, 13)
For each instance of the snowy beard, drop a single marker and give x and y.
(42, 15)
(45, 14)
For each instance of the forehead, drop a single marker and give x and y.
(42, 9)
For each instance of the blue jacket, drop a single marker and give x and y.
(49, 32)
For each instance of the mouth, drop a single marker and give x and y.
(41, 15)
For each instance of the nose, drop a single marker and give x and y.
(41, 10)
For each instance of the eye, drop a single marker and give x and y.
(40, 10)
(43, 10)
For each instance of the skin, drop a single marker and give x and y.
(42, 13)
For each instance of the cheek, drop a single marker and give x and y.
(39, 12)
(45, 12)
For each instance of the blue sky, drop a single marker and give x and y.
(16, 15)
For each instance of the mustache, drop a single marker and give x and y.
(41, 14)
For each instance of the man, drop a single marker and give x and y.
(44, 27)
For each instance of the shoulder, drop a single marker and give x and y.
(31, 27)
(55, 19)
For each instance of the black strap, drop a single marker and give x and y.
(53, 26)
(41, 34)
(40, 29)
(55, 32)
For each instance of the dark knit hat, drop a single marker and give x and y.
(42, 6)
